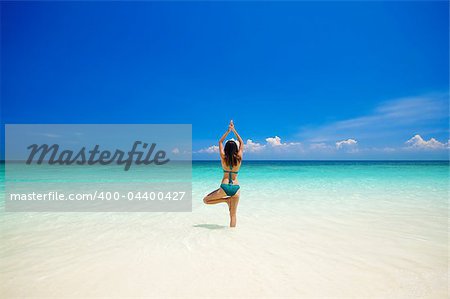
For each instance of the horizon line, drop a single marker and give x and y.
(304, 160)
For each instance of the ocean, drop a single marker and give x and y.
(304, 229)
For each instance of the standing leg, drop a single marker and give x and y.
(232, 204)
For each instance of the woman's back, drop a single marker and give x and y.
(230, 172)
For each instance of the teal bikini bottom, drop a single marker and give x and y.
(230, 189)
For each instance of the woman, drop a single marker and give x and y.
(231, 159)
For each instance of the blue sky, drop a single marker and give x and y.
(301, 80)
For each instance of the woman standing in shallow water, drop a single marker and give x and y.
(231, 159)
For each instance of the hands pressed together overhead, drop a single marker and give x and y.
(231, 126)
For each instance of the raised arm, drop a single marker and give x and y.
(222, 153)
(241, 142)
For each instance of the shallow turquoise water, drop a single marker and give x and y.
(347, 229)
(287, 179)
(397, 181)
(305, 186)
(265, 172)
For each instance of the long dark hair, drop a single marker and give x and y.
(231, 153)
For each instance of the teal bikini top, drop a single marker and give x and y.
(230, 181)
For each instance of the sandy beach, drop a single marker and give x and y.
(302, 244)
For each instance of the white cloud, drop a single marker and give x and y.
(386, 149)
(276, 148)
(210, 150)
(379, 133)
(274, 141)
(321, 146)
(392, 119)
(176, 151)
(253, 147)
(346, 143)
(417, 142)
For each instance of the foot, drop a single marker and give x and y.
(232, 221)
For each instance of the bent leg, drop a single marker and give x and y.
(217, 196)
